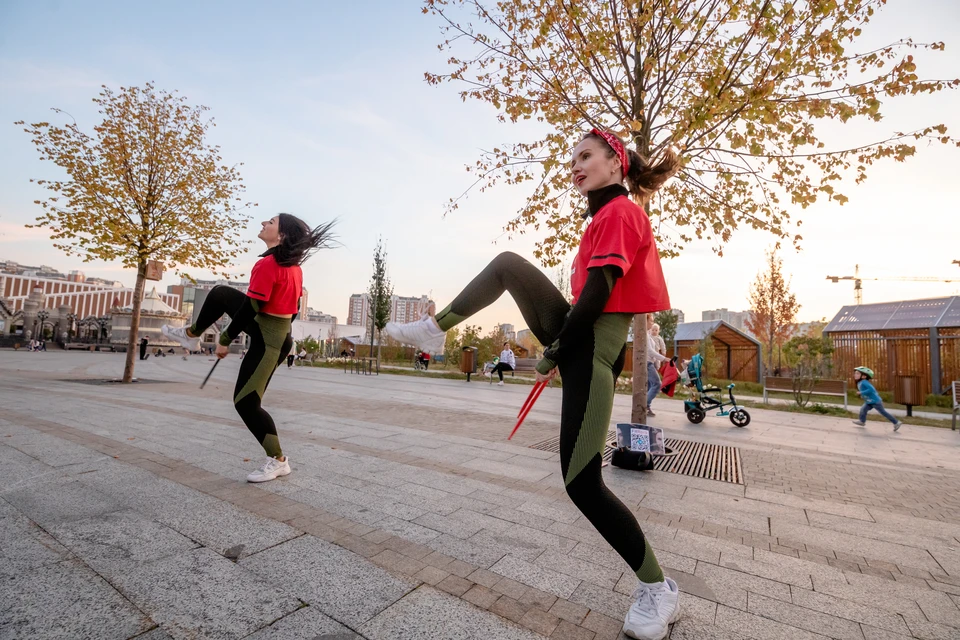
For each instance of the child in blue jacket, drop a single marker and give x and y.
(871, 399)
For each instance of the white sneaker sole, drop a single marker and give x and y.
(637, 635)
(410, 335)
(190, 344)
(278, 474)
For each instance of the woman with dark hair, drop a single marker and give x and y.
(615, 275)
(265, 314)
(507, 363)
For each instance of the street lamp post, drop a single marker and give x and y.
(102, 322)
(42, 316)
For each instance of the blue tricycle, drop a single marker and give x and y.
(707, 397)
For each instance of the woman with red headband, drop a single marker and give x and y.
(615, 275)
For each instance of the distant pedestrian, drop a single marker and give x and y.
(143, 348)
(507, 362)
(658, 339)
(871, 399)
(654, 360)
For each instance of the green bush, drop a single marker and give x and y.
(936, 400)
(826, 410)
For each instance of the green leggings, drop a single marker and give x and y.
(590, 368)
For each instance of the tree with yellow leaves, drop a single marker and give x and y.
(741, 89)
(773, 307)
(145, 185)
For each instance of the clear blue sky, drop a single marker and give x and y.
(326, 106)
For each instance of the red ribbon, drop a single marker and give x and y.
(617, 147)
(527, 405)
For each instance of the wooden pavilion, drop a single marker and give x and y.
(908, 338)
(737, 353)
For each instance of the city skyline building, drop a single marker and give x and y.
(84, 296)
(402, 309)
(736, 319)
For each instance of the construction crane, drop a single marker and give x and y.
(858, 280)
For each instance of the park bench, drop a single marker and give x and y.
(524, 365)
(820, 387)
(956, 404)
(363, 365)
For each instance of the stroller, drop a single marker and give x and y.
(710, 397)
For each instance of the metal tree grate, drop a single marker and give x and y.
(689, 458)
(702, 460)
(553, 445)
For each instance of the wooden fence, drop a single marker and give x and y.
(898, 352)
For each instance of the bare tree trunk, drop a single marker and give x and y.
(134, 322)
(638, 412)
(373, 323)
(770, 352)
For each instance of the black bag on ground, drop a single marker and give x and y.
(635, 460)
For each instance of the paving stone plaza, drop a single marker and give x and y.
(124, 513)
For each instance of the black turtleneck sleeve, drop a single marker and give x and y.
(583, 315)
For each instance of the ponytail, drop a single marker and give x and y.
(298, 241)
(644, 179)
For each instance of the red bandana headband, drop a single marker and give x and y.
(617, 147)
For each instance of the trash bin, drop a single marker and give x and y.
(907, 391)
(468, 361)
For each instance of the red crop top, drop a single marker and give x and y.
(279, 288)
(620, 235)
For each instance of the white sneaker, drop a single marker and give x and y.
(656, 606)
(897, 426)
(424, 333)
(180, 335)
(500, 384)
(270, 470)
(859, 424)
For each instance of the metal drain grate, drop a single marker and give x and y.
(689, 458)
(553, 445)
(702, 460)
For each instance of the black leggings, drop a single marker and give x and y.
(590, 368)
(270, 342)
(500, 368)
